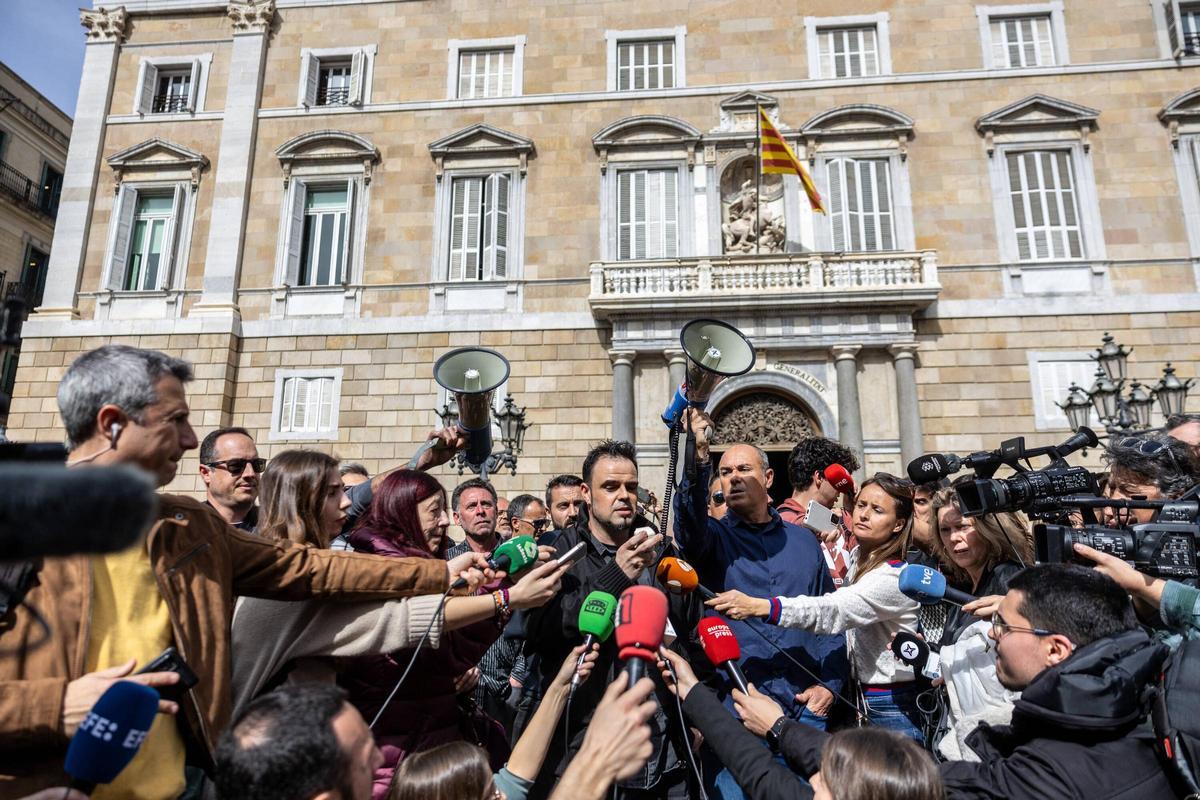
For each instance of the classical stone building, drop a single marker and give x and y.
(33, 149)
(313, 199)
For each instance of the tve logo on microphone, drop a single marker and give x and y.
(103, 729)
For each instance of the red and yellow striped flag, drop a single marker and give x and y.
(778, 159)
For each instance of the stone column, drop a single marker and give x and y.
(231, 189)
(676, 368)
(622, 389)
(105, 32)
(909, 410)
(850, 431)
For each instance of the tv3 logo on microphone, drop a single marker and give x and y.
(103, 728)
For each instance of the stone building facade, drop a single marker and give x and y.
(344, 189)
(34, 135)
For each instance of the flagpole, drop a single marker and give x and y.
(758, 177)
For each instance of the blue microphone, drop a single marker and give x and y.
(928, 586)
(111, 734)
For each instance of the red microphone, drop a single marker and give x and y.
(721, 647)
(641, 620)
(841, 480)
(678, 577)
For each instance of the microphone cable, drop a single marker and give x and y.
(687, 743)
(672, 465)
(413, 659)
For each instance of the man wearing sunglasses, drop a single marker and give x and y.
(1156, 467)
(230, 468)
(528, 515)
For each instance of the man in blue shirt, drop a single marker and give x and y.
(753, 550)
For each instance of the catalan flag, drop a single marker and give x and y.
(778, 159)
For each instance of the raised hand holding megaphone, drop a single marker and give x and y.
(472, 375)
(715, 351)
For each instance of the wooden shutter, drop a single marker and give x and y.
(149, 85)
(883, 201)
(295, 233)
(310, 74)
(837, 205)
(357, 77)
(825, 54)
(870, 51)
(287, 409)
(348, 239)
(624, 215)
(1000, 57)
(126, 207)
(1174, 27)
(1042, 28)
(194, 85)
(653, 214)
(638, 220)
(670, 213)
(466, 208)
(171, 237)
(495, 254)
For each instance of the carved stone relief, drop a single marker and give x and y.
(745, 228)
(766, 420)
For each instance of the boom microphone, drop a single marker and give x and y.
(721, 647)
(840, 479)
(678, 577)
(596, 622)
(641, 620)
(928, 586)
(111, 734)
(511, 556)
(49, 510)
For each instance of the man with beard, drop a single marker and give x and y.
(621, 550)
(230, 468)
(564, 498)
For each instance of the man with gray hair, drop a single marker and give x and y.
(109, 614)
(1154, 467)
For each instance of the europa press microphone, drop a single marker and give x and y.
(928, 586)
(110, 735)
(596, 622)
(721, 647)
(641, 621)
(679, 578)
(511, 557)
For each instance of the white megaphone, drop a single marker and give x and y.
(472, 374)
(715, 351)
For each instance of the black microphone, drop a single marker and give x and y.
(49, 510)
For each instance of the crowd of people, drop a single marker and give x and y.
(343, 646)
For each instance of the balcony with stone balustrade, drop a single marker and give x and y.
(889, 280)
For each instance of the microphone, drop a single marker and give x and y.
(679, 578)
(721, 647)
(596, 621)
(110, 735)
(836, 474)
(641, 620)
(928, 586)
(49, 510)
(511, 556)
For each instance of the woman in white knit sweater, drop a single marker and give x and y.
(870, 609)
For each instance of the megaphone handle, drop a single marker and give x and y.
(422, 450)
(689, 457)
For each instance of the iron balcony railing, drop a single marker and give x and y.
(337, 96)
(27, 191)
(169, 103)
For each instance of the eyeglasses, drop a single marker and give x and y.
(538, 525)
(236, 466)
(1147, 447)
(1000, 627)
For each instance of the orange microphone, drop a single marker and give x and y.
(679, 578)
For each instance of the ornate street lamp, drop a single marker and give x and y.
(1141, 404)
(449, 413)
(512, 435)
(1172, 392)
(1078, 407)
(512, 425)
(1112, 357)
(1105, 395)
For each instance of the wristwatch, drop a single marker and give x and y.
(773, 734)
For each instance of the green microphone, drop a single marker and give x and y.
(597, 623)
(511, 556)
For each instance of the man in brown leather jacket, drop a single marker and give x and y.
(108, 615)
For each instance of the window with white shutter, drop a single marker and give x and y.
(861, 204)
(325, 234)
(848, 52)
(648, 64)
(1026, 41)
(479, 227)
(485, 73)
(147, 227)
(170, 85)
(1044, 205)
(1051, 376)
(1189, 29)
(306, 404)
(335, 77)
(647, 214)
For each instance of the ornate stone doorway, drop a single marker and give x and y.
(773, 422)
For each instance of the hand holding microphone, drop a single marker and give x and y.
(111, 734)
(510, 557)
(641, 620)
(638, 552)
(596, 623)
(85, 692)
(928, 586)
(721, 647)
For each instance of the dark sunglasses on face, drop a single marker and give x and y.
(236, 466)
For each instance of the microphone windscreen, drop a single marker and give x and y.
(596, 616)
(111, 733)
(924, 584)
(931, 467)
(678, 576)
(836, 474)
(519, 551)
(641, 620)
(49, 510)
(718, 641)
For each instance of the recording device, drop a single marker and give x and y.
(510, 556)
(840, 479)
(679, 577)
(721, 647)
(818, 518)
(572, 556)
(1160, 549)
(110, 735)
(49, 510)
(170, 660)
(928, 586)
(935, 466)
(715, 351)
(596, 623)
(641, 620)
(472, 374)
(913, 651)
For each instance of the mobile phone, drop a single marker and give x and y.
(818, 517)
(573, 555)
(169, 660)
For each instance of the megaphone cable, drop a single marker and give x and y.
(412, 660)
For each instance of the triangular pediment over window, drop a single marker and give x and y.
(1183, 111)
(327, 147)
(647, 133)
(1038, 111)
(482, 143)
(157, 155)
